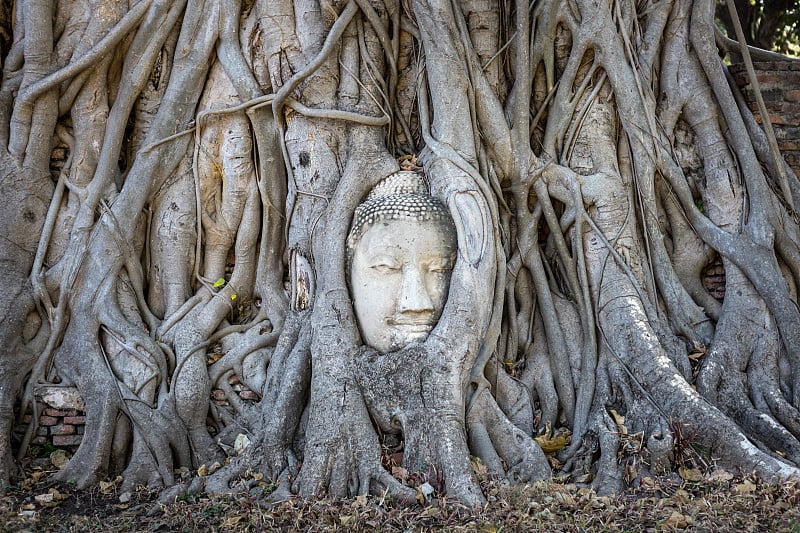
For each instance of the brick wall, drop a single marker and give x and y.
(62, 419)
(779, 82)
(714, 279)
(62, 427)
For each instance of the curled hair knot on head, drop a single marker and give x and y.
(400, 196)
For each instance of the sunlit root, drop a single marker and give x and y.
(525, 459)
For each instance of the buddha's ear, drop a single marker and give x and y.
(472, 225)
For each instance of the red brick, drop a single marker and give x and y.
(67, 440)
(765, 79)
(773, 95)
(793, 95)
(777, 119)
(38, 440)
(77, 420)
(43, 430)
(789, 118)
(45, 420)
(62, 429)
(249, 395)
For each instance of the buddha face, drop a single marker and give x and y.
(399, 277)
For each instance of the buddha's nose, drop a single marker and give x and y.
(413, 297)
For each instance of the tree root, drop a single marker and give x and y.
(525, 459)
(345, 460)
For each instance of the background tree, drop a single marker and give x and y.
(767, 24)
(594, 160)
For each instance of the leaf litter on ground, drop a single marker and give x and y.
(715, 502)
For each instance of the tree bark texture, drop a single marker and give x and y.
(593, 159)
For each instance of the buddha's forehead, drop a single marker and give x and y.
(428, 238)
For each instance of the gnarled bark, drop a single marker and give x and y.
(196, 232)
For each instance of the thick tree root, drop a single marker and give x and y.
(525, 459)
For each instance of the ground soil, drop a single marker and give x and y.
(690, 501)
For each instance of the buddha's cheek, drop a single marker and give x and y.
(438, 288)
(374, 299)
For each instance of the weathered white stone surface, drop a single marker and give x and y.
(60, 397)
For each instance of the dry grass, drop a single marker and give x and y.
(723, 503)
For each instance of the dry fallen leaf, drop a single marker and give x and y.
(619, 420)
(430, 512)
(745, 488)
(690, 474)
(399, 473)
(107, 487)
(478, 466)
(565, 499)
(551, 445)
(697, 353)
(232, 521)
(681, 497)
(677, 520)
(719, 475)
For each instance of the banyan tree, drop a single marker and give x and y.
(200, 191)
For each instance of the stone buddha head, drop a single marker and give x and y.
(401, 251)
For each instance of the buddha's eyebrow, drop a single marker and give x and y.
(442, 261)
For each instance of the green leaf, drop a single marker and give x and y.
(219, 283)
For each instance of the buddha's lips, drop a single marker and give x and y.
(412, 327)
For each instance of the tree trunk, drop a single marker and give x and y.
(592, 159)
